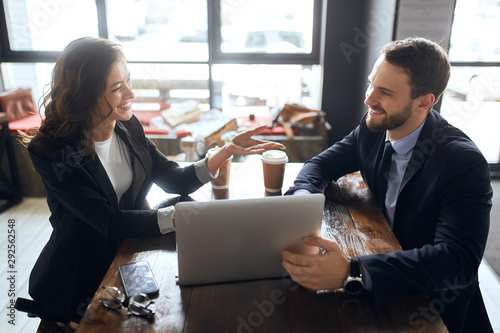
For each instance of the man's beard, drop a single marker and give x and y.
(391, 121)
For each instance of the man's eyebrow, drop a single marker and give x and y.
(388, 90)
(381, 88)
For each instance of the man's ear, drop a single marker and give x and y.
(425, 102)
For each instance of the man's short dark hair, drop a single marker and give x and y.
(425, 62)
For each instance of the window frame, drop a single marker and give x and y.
(215, 56)
(9, 55)
(494, 167)
(219, 57)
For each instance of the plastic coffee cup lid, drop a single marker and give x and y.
(274, 157)
(212, 151)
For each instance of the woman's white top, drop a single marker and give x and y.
(115, 158)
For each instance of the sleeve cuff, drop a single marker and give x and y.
(202, 172)
(166, 219)
(301, 192)
(367, 280)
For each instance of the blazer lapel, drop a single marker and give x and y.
(423, 148)
(380, 152)
(372, 158)
(97, 171)
(140, 161)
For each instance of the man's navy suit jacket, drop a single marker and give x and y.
(441, 218)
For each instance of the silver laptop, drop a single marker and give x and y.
(234, 240)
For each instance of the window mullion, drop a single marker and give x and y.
(474, 64)
(102, 20)
(214, 39)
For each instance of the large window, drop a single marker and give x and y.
(232, 55)
(472, 99)
(34, 25)
(263, 26)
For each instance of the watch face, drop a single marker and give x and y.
(353, 286)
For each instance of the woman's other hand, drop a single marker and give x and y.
(242, 144)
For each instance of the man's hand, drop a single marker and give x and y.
(326, 271)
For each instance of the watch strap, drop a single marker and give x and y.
(355, 270)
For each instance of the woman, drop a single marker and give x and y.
(97, 166)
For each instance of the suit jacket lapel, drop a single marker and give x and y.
(371, 149)
(421, 152)
(380, 152)
(139, 158)
(97, 171)
(423, 148)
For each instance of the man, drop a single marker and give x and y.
(438, 195)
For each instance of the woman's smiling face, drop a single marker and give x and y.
(115, 103)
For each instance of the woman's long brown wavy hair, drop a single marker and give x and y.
(78, 81)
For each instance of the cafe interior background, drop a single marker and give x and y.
(244, 60)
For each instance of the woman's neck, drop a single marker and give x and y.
(103, 131)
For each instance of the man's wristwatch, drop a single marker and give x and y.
(354, 283)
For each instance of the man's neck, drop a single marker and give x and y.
(408, 127)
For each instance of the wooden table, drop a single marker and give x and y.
(274, 305)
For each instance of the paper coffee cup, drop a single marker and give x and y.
(273, 163)
(222, 180)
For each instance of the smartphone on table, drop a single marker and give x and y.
(137, 277)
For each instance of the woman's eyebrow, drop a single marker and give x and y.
(118, 82)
